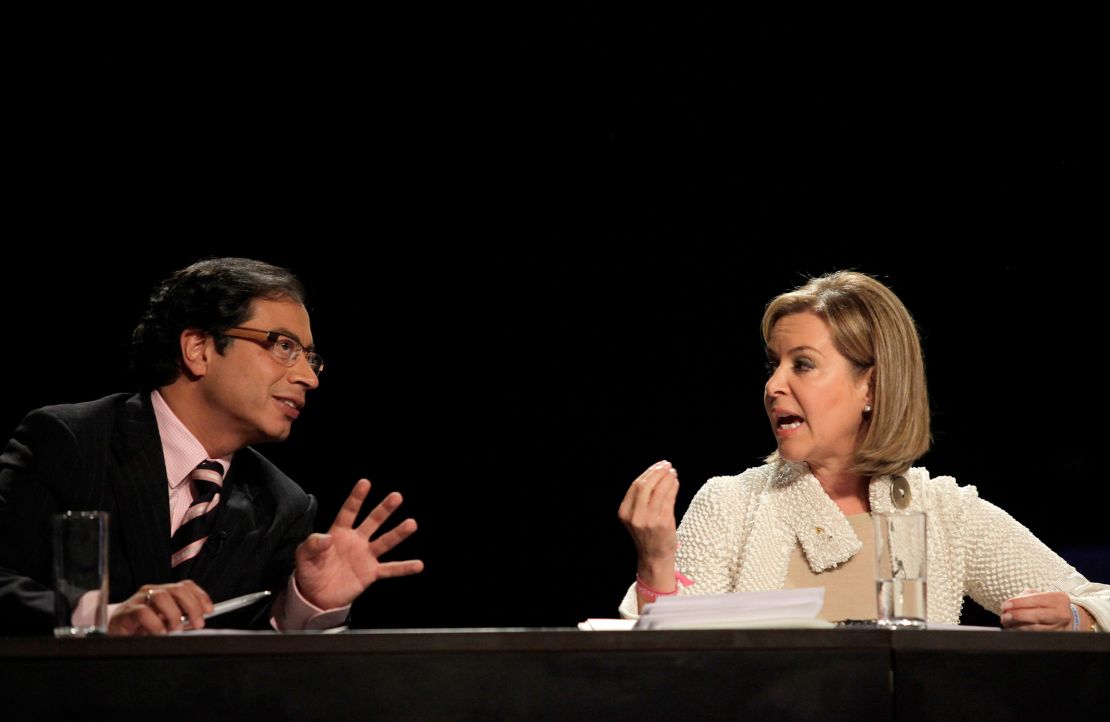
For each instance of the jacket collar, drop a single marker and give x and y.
(802, 506)
(140, 491)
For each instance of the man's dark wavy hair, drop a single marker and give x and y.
(211, 295)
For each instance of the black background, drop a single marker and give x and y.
(538, 247)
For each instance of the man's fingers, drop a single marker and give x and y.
(380, 513)
(400, 569)
(347, 513)
(141, 619)
(317, 543)
(392, 538)
(171, 602)
(162, 602)
(194, 602)
(345, 519)
(148, 621)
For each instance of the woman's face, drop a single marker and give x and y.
(813, 397)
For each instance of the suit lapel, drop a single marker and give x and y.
(142, 493)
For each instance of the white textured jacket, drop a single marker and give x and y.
(739, 532)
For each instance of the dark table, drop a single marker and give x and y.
(560, 674)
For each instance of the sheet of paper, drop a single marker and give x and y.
(786, 607)
(606, 625)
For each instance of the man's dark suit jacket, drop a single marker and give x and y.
(106, 455)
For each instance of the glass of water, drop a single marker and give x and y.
(900, 569)
(80, 573)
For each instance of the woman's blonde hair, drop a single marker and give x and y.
(873, 329)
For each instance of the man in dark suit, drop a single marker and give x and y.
(224, 357)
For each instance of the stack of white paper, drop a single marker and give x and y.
(601, 624)
(780, 608)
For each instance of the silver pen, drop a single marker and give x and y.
(230, 605)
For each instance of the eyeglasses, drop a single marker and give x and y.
(285, 349)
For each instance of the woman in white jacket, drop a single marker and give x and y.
(847, 402)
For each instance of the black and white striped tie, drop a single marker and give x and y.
(187, 541)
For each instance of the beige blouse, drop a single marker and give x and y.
(849, 587)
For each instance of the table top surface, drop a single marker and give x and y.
(513, 639)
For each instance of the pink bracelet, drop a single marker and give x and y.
(648, 593)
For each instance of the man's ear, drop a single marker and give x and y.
(195, 351)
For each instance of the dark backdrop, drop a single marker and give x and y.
(538, 248)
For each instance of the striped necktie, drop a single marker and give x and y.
(187, 541)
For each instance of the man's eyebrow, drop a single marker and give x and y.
(286, 332)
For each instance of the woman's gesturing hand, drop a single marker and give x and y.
(648, 513)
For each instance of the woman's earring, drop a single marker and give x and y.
(867, 409)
